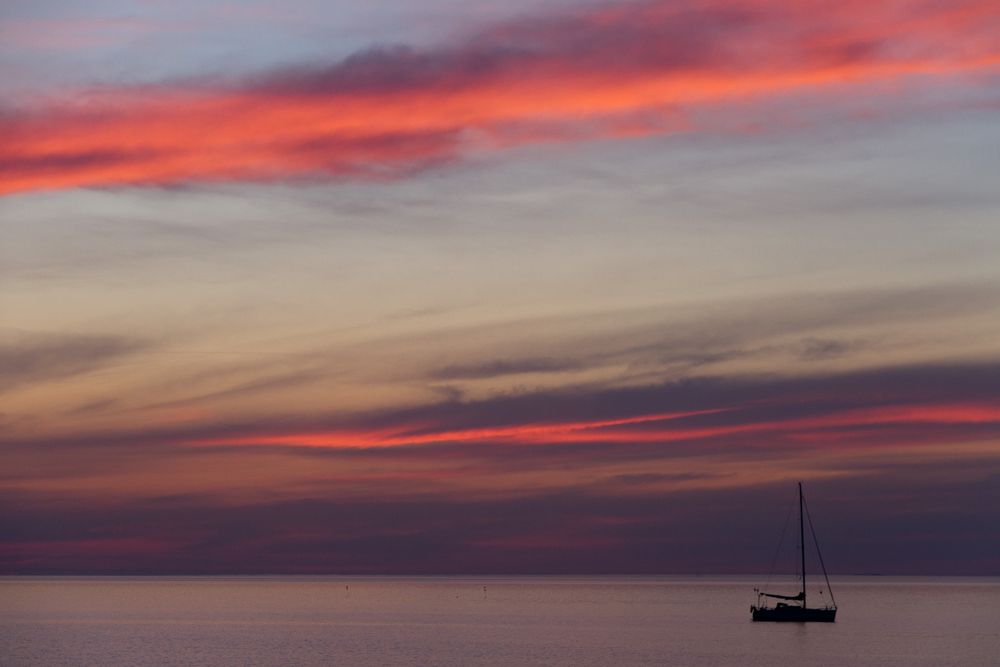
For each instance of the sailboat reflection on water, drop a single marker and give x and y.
(793, 608)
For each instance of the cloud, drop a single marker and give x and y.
(818, 349)
(501, 367)
(655, 478)
(29, 358)
(890, 406)
(893, 523)
(612, 70)
(268, 382)
(644, 345)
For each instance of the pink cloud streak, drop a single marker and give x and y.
(624, 430)
(583, 74)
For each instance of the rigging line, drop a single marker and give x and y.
(781, 540)
(819, 553)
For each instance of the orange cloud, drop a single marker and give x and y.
(385, 113)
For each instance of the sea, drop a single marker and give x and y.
(697, 621)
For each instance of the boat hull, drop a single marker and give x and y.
(792, 614)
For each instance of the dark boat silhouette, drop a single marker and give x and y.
(793, 608)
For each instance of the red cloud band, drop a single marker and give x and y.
(643, 428)
(388, 112)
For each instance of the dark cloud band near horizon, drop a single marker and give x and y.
(611, 70)
(515, 485)
(579, 531)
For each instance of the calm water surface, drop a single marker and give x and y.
(700, 621)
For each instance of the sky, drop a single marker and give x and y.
(561, 286)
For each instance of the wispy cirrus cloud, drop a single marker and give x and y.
(37, 357)
(889, 406)
(501, 367)
(613, 70)
(505, 484)
(831, 425)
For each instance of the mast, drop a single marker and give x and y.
(802, 546)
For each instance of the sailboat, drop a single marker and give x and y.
(793, 608)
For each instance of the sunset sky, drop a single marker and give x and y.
(456, 286)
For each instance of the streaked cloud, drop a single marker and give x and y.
(500, 367)
(510, 484)
(37, 357)
(897, 402)
(605, 71)
(558, 286)
(583, 530)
